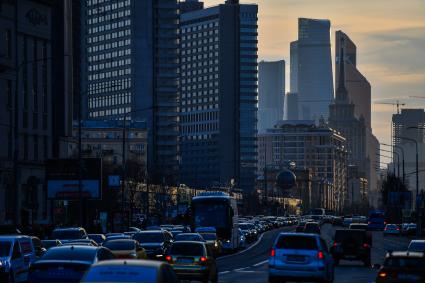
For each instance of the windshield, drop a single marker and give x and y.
(5, 249)
(66, 234)
(212, 213)
(120, 245)
(187, 249)
(209, 237)
(417, 247)
(149, 237)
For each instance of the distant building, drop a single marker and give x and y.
(26, 113)
(219, 96)
(314, 69)
(271, 93)
(293, 66)
(410, 123)
(291, 106)
(130, 69)
(190, 5)
(304, 145)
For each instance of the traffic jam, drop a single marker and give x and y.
(175, 253)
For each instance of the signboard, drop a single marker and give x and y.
(62, 178)
(114, 181)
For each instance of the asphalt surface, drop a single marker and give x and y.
(250, 265)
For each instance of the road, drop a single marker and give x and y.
(250, 266)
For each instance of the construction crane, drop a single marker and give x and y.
(397, 103)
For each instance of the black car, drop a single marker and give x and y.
(66, 234)
(351, 244)
(312, 228)
(300, 227)
(402, 267)
(155, 242)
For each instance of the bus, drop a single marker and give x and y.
(218, 210)
(376, 220)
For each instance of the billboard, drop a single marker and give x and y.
(62, 178)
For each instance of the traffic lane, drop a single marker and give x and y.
(254, 254)
(257, 273)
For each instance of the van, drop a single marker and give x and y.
(16, 255)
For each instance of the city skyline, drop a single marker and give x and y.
(394, 73)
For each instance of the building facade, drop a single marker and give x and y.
(130, 70)
(314, 69)
(271, 93)
(25, 109)
(219, 96)
(304, 146)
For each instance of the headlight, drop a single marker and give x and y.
(215, 244)
(133, 255)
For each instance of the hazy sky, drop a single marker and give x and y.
(390, 39)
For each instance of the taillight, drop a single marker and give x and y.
(273, 253)
(320, 255)
(385, 222)
(369, 222)
(203, 259)
(335, 244)
(365, 245)
(168, 258)
(382, 274)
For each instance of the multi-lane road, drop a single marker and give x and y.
(250, 265)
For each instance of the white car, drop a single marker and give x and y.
(16, 255)
(416, 246)
(391, 229)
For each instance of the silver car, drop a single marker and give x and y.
(300, 257)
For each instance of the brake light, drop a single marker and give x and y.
(369, 222)
(202, 259)
(320, 255)
(365, 245)
(168, 258)
(385, 222)
(382, 274)
(273, 253)
(335, 244)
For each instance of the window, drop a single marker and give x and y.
(8, 42)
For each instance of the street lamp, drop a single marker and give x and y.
(402, 152)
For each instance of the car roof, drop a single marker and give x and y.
(418, 241)
(120, 240)
(189, 242)
(13, 237)
(130, 262)
(76, 247)
(150, 231)
(68, 228)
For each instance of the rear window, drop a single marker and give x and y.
(186, 237)
(405, 262)
(120, 245)
(26, 246)
(66, 234)
(209, 237)
(187, 249)
(5, 248)
(137, 273)
(68, 254)
(341, 235)
(296, 243)
(149, 237)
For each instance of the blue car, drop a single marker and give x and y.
(66, 263)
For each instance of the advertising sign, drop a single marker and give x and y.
(62, 178)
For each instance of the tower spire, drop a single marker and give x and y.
(341, 92)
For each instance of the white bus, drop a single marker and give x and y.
(218, 210)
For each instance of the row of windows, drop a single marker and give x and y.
(109, 74)
(207, 92)
(199, 100)
(196, 117)
(200, 68)
(109, 45)
(205, 127)
(110, 64)
(204, 49)
(108, 36)
(108, 112)
(191, 79)
(109, 55)
(204, 62)
(194, 43)
(199, 137)
(109, 100)
(205, 85)
(200, 107)
(109, 17)
(111, 26)
(110, 85)
(114, 5)
(199, 27)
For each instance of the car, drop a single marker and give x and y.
(126, 248)
(189, 237)
(402, 267)
(337, 221)
(360, 226)
(312, 227)
(66, 262)
(134, 229)
(351, 244)
(193, 261)
(17, 254)
(98, 238)
(117, 237)
(123, 271)
(81, 242)
(214, 243)
(411, 229)
(242, 240)
(300, 227)
(347, 221)
(66, 234)
(300, 256)
(155, 242)
(38, 246)
(47, 244)
(391, 229)
(176, 232)
(416, 246)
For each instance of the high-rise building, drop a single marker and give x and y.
(314, 66)
(358, 87)
(293, 66)
(271, 93)
(291, 106)
(190, 5)
(130, 69)
(303, 145)
(410, 124)
(219, 96)
(26, 109)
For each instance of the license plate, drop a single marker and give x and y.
(295, 258)
(185, 260)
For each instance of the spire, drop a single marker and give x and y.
(341, 92)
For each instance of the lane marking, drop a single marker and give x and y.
(246, 271)
(241, 269)
(250, 247)
(223, 272)
(261, 263)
